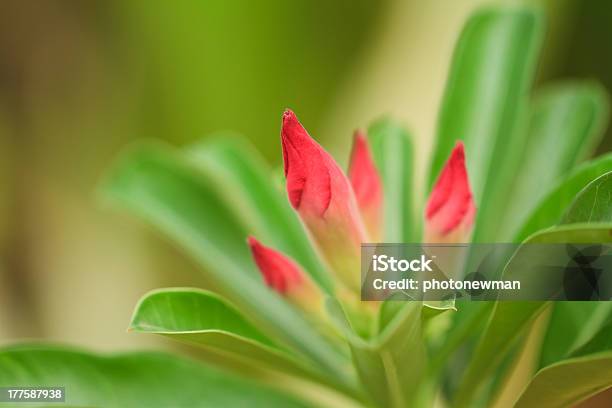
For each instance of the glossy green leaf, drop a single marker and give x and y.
(565, 383)
(568, 382)
(391, 365)
(393, 154)
(551, 208)
(246, 187)
(390, 308)
(582, 319)
(510, 320)
(566, 123)
(160, 186)
(593, 203)
(142, 379)
(601, 341)
(484, 102)
(202, 318)
(433, 309)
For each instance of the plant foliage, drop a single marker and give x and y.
(526, 157)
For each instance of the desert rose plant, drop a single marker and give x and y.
(282, 319)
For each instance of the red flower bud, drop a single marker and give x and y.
(367, 185)
(324, 199)
(286, 277)
(450, 211)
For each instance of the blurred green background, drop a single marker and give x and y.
(81, 79)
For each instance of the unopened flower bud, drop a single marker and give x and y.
(367, 186)
(450, 211)
(323, 197)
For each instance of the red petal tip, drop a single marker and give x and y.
(251, 241)
(363, 174)
(279, 271)
(458, 152)
(359, 137)
(288, 113)
(306, 163)
(451, 200)
(361, 149)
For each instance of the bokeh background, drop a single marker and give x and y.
(79, 80)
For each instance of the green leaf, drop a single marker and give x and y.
(587, 372)
(393, 154)
(391, 365)
(388, 310)
(566, 123)
(391, 307)
(435, 308)
(584, 233)
(142, 379)
(551, 208)
(469, 319)
(246, 187)
(202, 318)
(165, 190)
(153, 180)
(601, 341)
(484, 102)
(568, 382)
(583, 319)
(190, 310)
(593, 203)
(510, 320)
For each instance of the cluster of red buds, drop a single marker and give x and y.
(340, 212)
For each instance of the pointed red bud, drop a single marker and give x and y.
(279, 272)
(367, 185)
(285, 276)
(324, 199)
(308, 168)
(450, 211)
